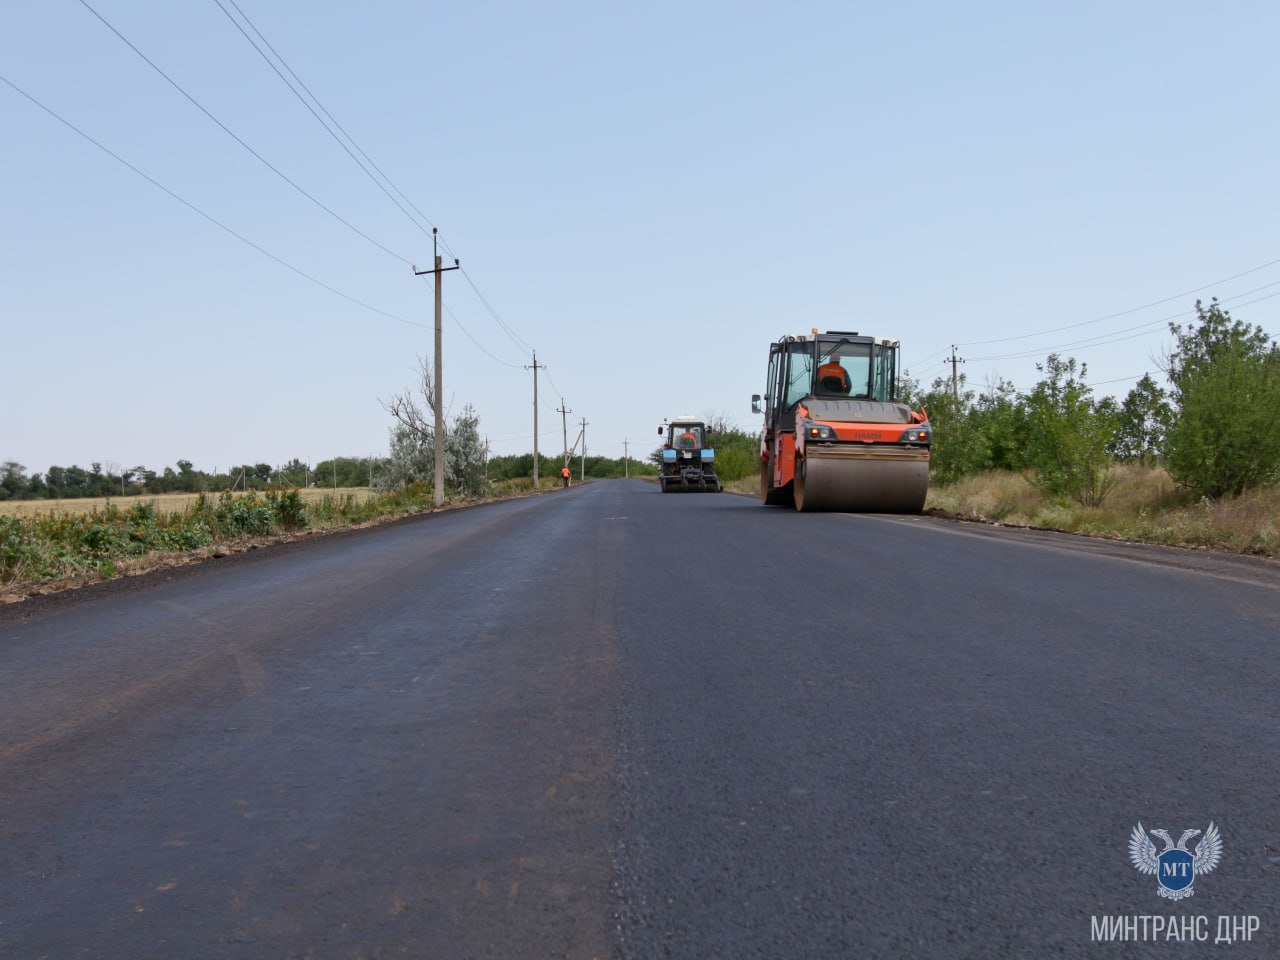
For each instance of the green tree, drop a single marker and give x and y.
(999, 418)
(188, 479)
(1068, 434)
(56, 478)
(737, 452)
(959, 447)
(466, 455)
(342, 472)
(1142, 422)
(13, 481)
(1225, 378)
(410, 459)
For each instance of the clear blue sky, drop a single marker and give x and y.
(648, 194)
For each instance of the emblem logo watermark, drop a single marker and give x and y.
(1175, 867)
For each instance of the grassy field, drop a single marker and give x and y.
(163, 502)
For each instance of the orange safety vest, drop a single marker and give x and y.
(833, 369)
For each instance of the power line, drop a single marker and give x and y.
(191, 206)
(1124, 313)
(1154, 325)
(280, 173)
(229, 132)
(483, 349)
(326, 126)
(554, 386)
(519, 341)
(1132, 376)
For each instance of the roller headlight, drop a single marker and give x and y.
(819, 431)
(918, 435)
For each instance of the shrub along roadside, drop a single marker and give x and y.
(103, 543)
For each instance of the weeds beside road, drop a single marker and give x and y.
(61, 548)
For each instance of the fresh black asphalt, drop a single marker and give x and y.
(608, 722)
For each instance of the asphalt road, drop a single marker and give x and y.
(612, 723)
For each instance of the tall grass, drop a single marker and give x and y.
(1144, 505)
(162, 502)
(101, 543)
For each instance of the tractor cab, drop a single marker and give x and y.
(684, 436)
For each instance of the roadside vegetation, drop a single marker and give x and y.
(1192, 462)
(68, 548)
(72, 526)
(1196, 462)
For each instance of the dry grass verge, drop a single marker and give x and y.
(165, 503)
(1145, 505)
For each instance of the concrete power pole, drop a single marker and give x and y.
(564, 426)
(438, 400)
(955, 381)
(626, 459)
(535, 369)
(583, 474)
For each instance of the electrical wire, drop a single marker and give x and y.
(554, 385)
(519, 341)
(1103, 339)
(191, 206)
(227, 130)
(1124, 313)
(483, 348)
(326, 126)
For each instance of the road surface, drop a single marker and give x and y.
(608, 722)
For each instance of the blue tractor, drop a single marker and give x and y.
(688, 460)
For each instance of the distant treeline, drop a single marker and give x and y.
(597, 468)
(65, 483)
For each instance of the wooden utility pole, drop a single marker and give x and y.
(535, 368)
(437, 402)
(564, 426)
(583, 475)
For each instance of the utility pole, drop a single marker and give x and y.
(438, 400)
(955, 381)
(535, 368)
(564, 426)
(626, 460)
(583, 475)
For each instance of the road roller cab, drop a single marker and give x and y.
(835, 436)
(688, 459)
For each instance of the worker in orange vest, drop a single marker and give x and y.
(564, 474)
(832, 377)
